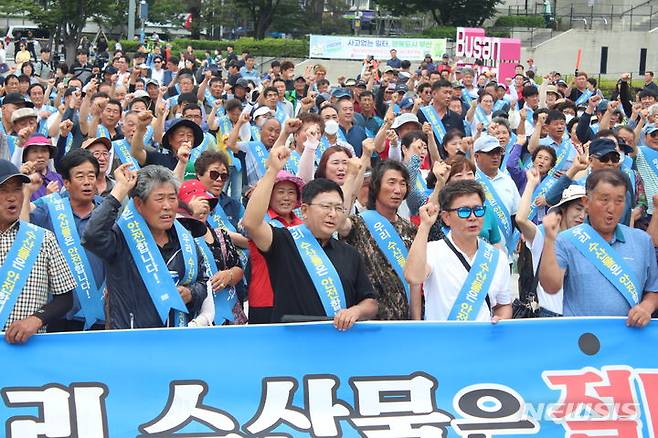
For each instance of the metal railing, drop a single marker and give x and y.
(641, 17)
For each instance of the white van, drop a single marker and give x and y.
(16, 33)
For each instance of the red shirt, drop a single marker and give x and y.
(260, 289)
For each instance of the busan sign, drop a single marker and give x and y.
(497, 54)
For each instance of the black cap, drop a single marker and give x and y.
(198, 133)
(242, 82)
(110, 70)
(17, 99)
(8, 171)
(187, 98)
(600, 147)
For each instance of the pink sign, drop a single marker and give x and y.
(497, 54)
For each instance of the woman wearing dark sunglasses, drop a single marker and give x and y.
(464, 278)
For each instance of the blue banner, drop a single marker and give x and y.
(260, 154)
(437, 124)
(122, 151)
(439, 387)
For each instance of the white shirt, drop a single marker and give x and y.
(447, 277)
(552, 302)
(504, 186)
(157, 75)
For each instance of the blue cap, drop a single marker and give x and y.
(8, 171)
(650, 128)
(407, 103)
(602, 106)
(600, 147)
(340, 93)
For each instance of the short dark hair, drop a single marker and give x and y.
(278, 80)
(191, 106)
(555, 115)
(232, 104)
(547, 149)
(275, 63)
(378, 176)
(422, 87)
(441, 83)
(115, 102)
(24, 78)
(456, 189)
(405, 63)
(641, 94)
(249, 56)
(75, 158)
(33, 86)
(174, 60)
(287, 65)
(270, 90)
(535, 115)
(592, 81)
(412, 136)
(649, 72)
(323, 82)
(208, 158)
(529, 90)
(613, 177)
(318, 186)
(366, 93)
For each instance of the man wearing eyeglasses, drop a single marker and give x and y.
(312, 274)
(464, 278)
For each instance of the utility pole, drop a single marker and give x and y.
(131, 19)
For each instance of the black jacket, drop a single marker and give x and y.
(127, 295)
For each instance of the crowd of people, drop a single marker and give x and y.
(157, 191)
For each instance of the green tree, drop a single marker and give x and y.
(446, 12)
(63, 18)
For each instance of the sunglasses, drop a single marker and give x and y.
(465, 212)
(610, 157)
(215, 175)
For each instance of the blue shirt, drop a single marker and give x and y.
(232, 208)
(587, 292)
(355, 137)
(40, 216)
(252, 74)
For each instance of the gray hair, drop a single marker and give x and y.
(502, 121)
(149, 177)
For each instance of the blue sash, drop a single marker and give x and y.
(482, 117)
(224, 299)
(211, 101)
(292, 165)
(389, 242)
(549, 181)
(476, 287)
(529, 115)
(341, 135)
(102, 131)
(437, 124)
(255, 133)
(651, 157)
(152, 267)
(605, 259)
(508, 150)
(502, 214)
(11, 143)
(188, 251)
(260, 153)
(499, 105)
(148, 136)
(466, 97)
(69, 142)
(194, 155)
(584, 97)
(122, 152)
(18, 265)
(322, 272)
(89, 295)
(631, 176)
(280, 113)
(218, 219)
(43, 123)
(323, 146)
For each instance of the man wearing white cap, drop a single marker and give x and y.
(500, 190)
(569, 212)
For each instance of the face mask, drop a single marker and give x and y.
(580, 113)
(331, 127)
(569, 118)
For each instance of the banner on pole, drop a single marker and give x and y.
(547, 378)
(344, 47)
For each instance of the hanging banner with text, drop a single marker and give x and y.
(499, 55)
(546, 378)
(344, 47)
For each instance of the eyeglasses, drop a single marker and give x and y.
(612, 157)
(215, 175)
(99, 154)
(328, 208)
(465, 212)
